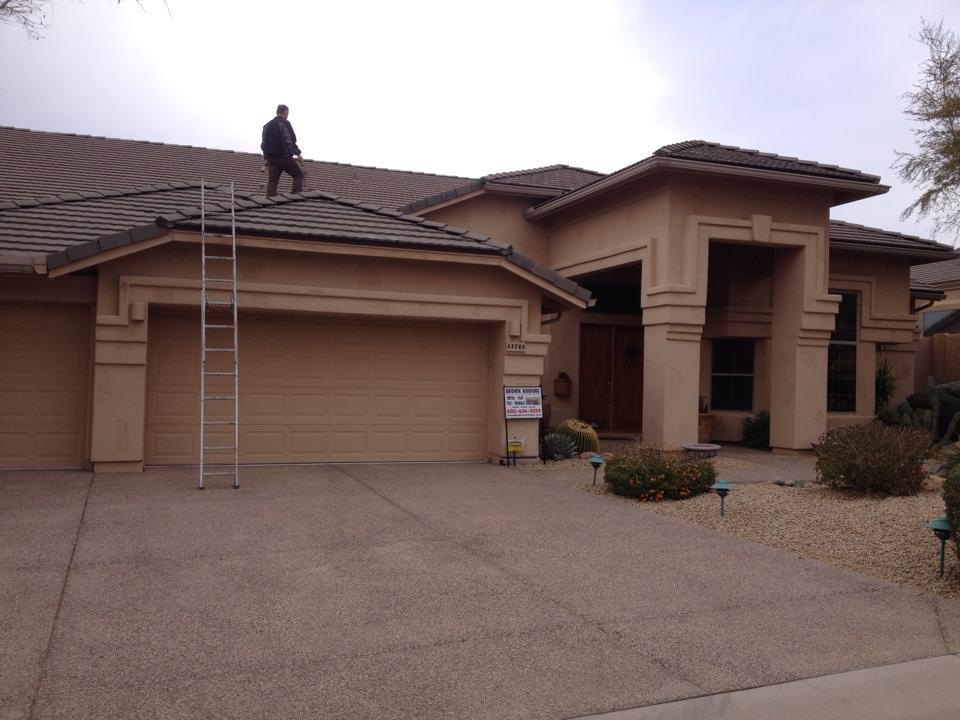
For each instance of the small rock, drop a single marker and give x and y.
(932, 483)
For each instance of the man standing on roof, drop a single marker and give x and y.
(279, 145)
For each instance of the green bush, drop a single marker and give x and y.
(938, 408)
(951, 498)
(555, 446)
(890, 416)
(874, 457)
(649, 473)
(756, 431)
(885, 385)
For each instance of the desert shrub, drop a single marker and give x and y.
(951, 498)
(557, 447)
(889, 416)
(885, 385)
(937, 407)
(649, 473)
(874, 457)
(756, 431)
(582, 434)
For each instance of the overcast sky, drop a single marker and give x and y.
(473, 88)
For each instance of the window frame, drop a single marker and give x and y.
(752, 374)
(855, 344)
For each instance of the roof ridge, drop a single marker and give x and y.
(84, 195)
(224, 150)
(288, 198)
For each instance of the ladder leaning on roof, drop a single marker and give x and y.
(219, 362)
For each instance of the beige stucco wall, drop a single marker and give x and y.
(500, 217)
(668, 224)
(348, 282)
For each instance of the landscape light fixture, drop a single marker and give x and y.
(941, 528)
(722, 487)
(596, 461)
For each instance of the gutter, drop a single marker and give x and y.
(864, 247)
(23, 264)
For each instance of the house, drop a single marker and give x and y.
(942, 316)
(382, 312)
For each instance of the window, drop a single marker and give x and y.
(731, 376)
(842, 357)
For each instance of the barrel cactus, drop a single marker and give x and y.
(582, 434)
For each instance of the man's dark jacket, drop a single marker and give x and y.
(278, 140)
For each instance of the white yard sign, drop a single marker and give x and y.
(522, 402)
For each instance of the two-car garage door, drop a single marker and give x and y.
(325, 390)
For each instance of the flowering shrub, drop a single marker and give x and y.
(951, 498)
(874, 457)
(654, 474)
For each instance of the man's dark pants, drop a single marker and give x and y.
(284, 165)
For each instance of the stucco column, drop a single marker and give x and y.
(671, 374)
(119, 389)
(798, 376)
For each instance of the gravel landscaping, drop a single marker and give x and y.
(885, 537)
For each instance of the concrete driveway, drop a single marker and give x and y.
(411, 591)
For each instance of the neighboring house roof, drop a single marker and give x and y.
(950, 322)
(75, 226)
(712, 152)
(946, 272)
(850, 236)
(549, 181)
(34, 163)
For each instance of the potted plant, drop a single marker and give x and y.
(705, 423)
(561, 386)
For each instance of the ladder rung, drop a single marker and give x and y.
(219, 397)
(208, 325)
(211, 474)
(219, 422)
(229, 349)
(223, 280)
(218, 257)
(223, 303)
(220, 373)
(221, 447)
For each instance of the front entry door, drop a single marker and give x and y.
(611, 376)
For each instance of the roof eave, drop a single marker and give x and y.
(927, 294)
(923, 254)
(23, 264)
(846, 190)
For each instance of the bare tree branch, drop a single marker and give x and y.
(934, 107)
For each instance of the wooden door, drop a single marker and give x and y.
(596, 381)
(611, 376)
(627, 378)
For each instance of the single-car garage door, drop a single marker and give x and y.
(44, 381)
(314, 390)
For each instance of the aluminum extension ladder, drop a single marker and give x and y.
(219, 361)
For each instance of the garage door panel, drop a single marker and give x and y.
(44, 385)
(334, 390)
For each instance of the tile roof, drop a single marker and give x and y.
(549, 181)
(73, 226)
(36, 163)
(559, 177)
(852, 236)
(703, 151)
(945, 272)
